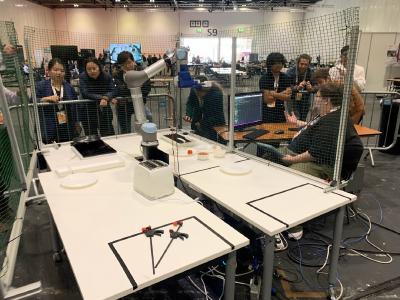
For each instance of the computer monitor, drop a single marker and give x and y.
(253, 57)
(134, 48)
(247, 110)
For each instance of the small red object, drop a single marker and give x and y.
(189, 151)
(177, 223)
(145, 229)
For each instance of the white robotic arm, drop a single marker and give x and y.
(134, 81)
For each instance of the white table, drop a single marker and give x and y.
(100, 227)
(273, 199)
(226, 71)
(270, 198)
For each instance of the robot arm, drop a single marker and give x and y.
(135, 79)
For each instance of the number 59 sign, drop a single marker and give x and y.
(212, 32)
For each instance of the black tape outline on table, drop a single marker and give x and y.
(210, 168)
(125, 268)
(250, 203)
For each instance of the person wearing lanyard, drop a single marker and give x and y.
(301, 75)
(58, 121)
(313, 149)
(275, 86)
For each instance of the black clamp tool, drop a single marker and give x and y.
(152, 232)
(176, 234)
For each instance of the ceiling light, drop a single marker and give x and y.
(76, 5)
(151, 0)
(117, 0)
(248, 0)
(201, 0)
(125, 6)
(61, 0)
(19, 5)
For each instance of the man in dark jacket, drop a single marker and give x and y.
(300, 76)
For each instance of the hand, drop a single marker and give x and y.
(187, 119)
(302, 85)
(52, 99)
(114, 101)
(9, 50)
(268, 97)
(291, 118)
(103, 102)
(287, 159)
(309, 86)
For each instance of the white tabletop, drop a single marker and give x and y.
(88, 219)
(128, 146)
(225, 71)
(285, 199)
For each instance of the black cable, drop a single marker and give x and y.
(379, 225)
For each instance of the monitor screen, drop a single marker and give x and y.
(134, 48)
(248, 109)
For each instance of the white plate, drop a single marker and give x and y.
(235, 169)
(78, 181)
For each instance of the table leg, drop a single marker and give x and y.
(337, 236)
(230, 276)
(268, 269)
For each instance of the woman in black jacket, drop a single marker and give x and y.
(125, 109)
(205, 108)
(98, 86)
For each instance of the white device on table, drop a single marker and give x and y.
(153, 179)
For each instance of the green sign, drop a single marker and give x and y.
(199, 30)
(240, 29)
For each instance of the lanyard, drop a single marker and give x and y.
(60, 106)
(276, 82)
(297, 76)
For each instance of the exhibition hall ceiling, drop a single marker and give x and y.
(210, 5)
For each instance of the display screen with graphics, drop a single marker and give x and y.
(134, 48)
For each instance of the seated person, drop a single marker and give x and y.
(356, 106)
(313, 149)
(276, 88)
(301, 75)
(58, 122)
(125, 109)
(205, 109)
(98, 86)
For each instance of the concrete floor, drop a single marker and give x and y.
(358, 275)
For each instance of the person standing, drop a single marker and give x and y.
(275, 86)
(97, 86)
(301, 75)
(58, 122)
(338, 72)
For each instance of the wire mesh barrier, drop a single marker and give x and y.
(17, 141)
(284, 110)
(64, 75)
